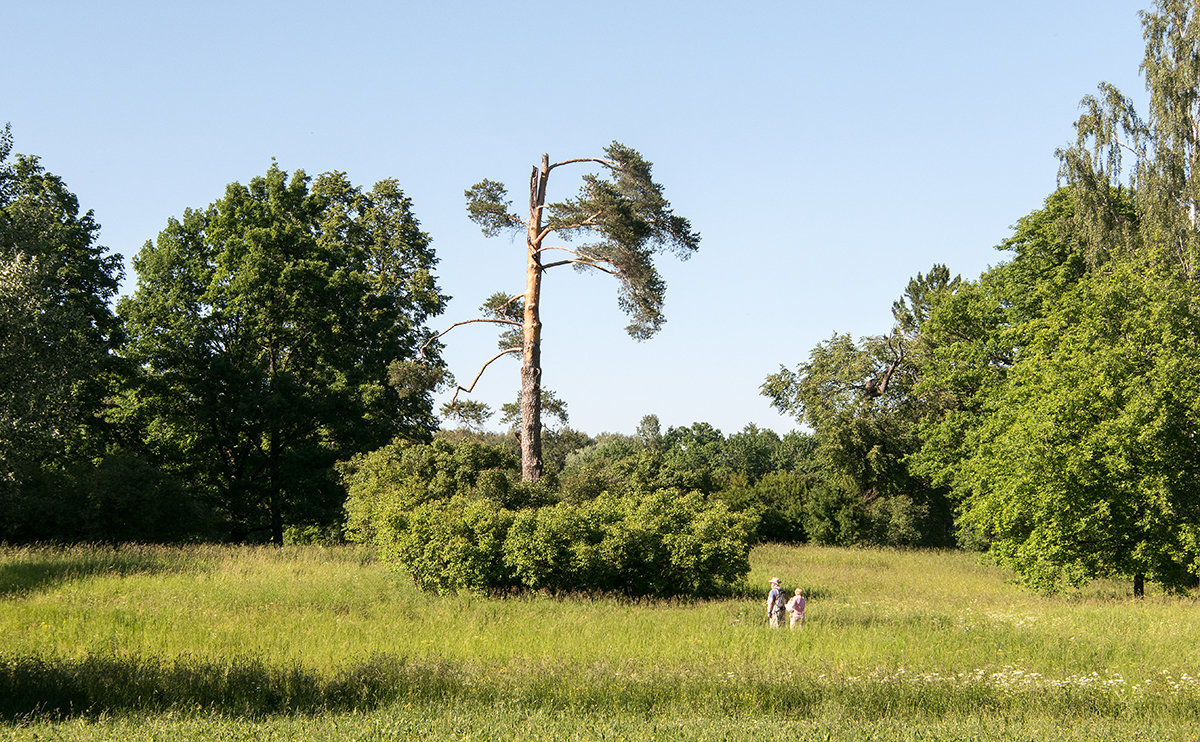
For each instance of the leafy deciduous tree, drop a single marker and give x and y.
(859, 400)
(265, 326)
(57, 332)
(1081, 462)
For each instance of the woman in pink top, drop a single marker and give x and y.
(795, 607)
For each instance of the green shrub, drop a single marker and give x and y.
(776, 500)
(834, 516)
(383, 485)
(455, 516)
(897, 521)
(540, 550)
(453, 545)
(659, 544)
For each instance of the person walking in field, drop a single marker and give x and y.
(775, 604)
(795, 607)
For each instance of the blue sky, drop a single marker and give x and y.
(825, 152)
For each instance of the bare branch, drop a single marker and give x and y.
(468, 322)
(589, 222)
(606, 163)
(483, 368)
(577, 254)
(581, 261)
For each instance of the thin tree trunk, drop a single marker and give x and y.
(274, 496)
(531, 365)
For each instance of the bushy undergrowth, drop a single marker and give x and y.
(455, 517)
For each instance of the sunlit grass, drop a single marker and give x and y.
(100, 641)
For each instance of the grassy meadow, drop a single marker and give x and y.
(311, 643)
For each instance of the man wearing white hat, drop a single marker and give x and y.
(775, 604)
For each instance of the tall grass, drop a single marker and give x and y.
(99, 642)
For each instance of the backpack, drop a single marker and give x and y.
(779, 607)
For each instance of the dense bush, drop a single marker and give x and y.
(656, 544)
(455, 518)
(117, 498)
(388, 483)
(777, 501)
(451, 545)
(838, 516)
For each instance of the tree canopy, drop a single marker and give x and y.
(57, 333)
(265, 326)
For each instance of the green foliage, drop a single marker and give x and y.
(754, 471)
(552, 406)
(1059, 424)
(488, 206)
(1127, 347)
(452, 545)
(1163, 174)
(129, 500)
(57, 368)
(659, 544)
(777, 501)
(649, 431)
(836, 516)
(1084, 465)
(384, 485)
(268, 327)
(456, 517)
(865, 404)
(506, 310)
(631, 221)
(469, 413)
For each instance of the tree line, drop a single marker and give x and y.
(212, 402)
(1050, 402)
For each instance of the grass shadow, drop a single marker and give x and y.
(746, 591)
(38, 688)
(33, 569)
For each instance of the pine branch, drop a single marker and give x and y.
(482, 368)
(588, 222)
(468, 322)
(613, 164)
(581, 261)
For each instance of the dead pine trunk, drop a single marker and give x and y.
(531, 363)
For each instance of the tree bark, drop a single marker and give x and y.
(531, 364)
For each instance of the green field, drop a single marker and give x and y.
(151, 643)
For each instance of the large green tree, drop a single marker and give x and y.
(266, 325)
(57, 332)
(615, 225)
(1084, 463)
(974, 336)
(1079, 460)
(858, 398)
